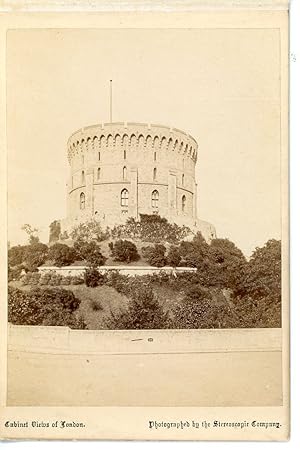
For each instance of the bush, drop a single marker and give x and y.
(200, 310)
(35, 255)
(144, 311)
(76, 279)
(174, 257)
(31, 278)
(89, 252)
(96, 305)
(155, 256)
(62, 255)
(151, 228)
(16, 255)
(123, 250)
(53, 307)
(31, 256)
(90, 231)
(14, 273)
(92, 277)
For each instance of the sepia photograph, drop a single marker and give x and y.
(145, 218)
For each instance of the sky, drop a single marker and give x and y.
(222, 86)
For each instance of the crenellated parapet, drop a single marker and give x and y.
(134, 136)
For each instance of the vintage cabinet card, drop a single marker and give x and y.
(144, 240)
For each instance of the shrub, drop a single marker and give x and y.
(65, 281)
(90, 252)
(92, 277)
(96, 305)
(200, 310)
(35, 255)
(14, 273)
(31, 278)
(144, 311)
(174, 257)
(151, 228)
(89, 231)
(54, 307)
(62, 254)
(123, 250)
(76, 279)
(55, 279)
(155, 256)
(16, 255)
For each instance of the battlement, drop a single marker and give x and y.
(132, 135)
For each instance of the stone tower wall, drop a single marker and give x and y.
(105, 159)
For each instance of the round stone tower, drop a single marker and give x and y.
(122, 170)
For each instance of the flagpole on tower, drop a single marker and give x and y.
(110, 101)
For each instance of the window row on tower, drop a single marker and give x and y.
(124, 198)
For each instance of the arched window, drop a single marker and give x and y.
(82, 201)
(124, 197)
(154, 156)
(82, 177)
(182, 179)
(124, 173)
(154, 174)
(98, 173)
(154, 199)
(124, 154)
(183, 203)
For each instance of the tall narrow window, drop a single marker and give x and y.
(99, 156)
(82, 201)
(183, 203)
(124, 173)
(182, 179)
(124, 154)
(154, 174)
(98, 173)
(124, 197)
(154, 156)
(154, 199)
(82, 177)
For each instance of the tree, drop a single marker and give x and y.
(62, 255)
(32, 233)
(174, 257)
(35, 255)
(262, 275)
(200, 310)
(89, 252)
(55, 229)
(16, 255)
(144, 312)
(257, 297)
(123, 250)
(227, 263)
(53, 307)
(155, 256)
(89, 231)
